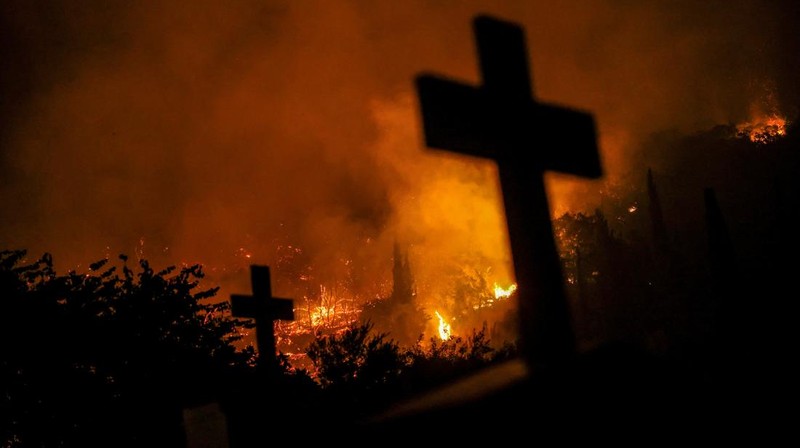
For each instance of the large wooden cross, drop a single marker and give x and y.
(265, 309)
(501, 120)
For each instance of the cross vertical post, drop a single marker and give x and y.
(500, 120)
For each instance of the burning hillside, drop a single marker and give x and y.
(764, 129)
(766, 122)
(282, 135)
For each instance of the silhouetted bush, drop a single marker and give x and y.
(367, 370)
(437, 362)
(106, 357)
(356, 359)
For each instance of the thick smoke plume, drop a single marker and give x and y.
(286, 132)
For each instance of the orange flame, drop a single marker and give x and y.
(444, 327)
(503, 293)
(763, 130)
(766, 123)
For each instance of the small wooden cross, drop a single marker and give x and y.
(501, 120)
(265, 309)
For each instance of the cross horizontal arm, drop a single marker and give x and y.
(256, 308)
(454, 119)
(244, 306)
(569, 140)
(281, 309)
(473, 121)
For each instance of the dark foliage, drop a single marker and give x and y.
(111, 357)
(107, 357)
(611, 282)
(363, 371)
(359, 370)
(437, 362)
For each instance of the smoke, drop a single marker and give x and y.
(224, 133)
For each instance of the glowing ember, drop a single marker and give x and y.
(444, 327)
(503, 293)
(244, 253)
(763, 130)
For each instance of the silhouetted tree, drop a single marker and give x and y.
(470, 290)
(105, 357)
(615, 290)
(399, 312)
(358, 369)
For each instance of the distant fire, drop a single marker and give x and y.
(331, 311)
(445, 332)
(328, 311)
(763, 130)
(766, 124)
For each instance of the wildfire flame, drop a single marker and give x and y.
(766, 123)
(444, 327)
(503, 293)
(331, 310)
(763, 130)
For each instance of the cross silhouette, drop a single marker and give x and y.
(501, 120)
(265, 309)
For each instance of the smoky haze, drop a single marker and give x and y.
(227, 133)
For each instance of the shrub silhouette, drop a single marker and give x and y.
(437, 362)
(356, 358)
(107, 357)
